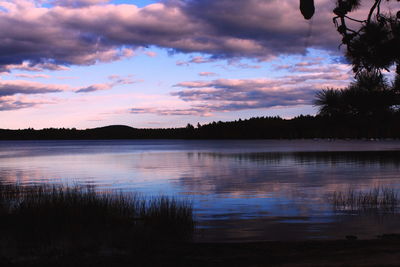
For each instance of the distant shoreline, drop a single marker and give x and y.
(217, 139)
(302, 127)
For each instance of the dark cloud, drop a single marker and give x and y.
(83, 33)
(44, 38)
(273, 27)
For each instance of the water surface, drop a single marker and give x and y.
(241, 190)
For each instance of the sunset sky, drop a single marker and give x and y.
(90, 63)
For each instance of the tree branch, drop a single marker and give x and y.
(371, 11)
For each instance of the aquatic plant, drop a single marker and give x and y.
(378, 198)
(79, 217)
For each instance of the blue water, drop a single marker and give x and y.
(241, 190)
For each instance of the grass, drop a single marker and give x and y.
(378, 198)
(36, 219)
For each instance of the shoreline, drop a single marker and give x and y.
(373, 252)
(375, 139)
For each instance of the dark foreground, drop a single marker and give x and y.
(380, 252)
(78, 226)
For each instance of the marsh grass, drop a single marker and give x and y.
(377, 199)
(56, 217)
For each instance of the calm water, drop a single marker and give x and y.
(241, 190)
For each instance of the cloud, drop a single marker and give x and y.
(182, 63)
(32, 76)
(171, 112)
(67, 78)
(225, 95)
(52, 37)
(29, 66)
(13, 93)
(236, 94)
(207, 74)
(14, 87)
(150, 54)
(89, 31)
(245, 66)
(316, 66)
(9, 88)
(95, 87)
(78, 3)
(8, 103)
(307, 63)
(195, 60)
(200, 60)
(116, 80)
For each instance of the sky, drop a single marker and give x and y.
(151, 64)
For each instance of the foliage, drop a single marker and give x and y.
(378, 198)
(374, 46)
(369, 96)
(73, 218)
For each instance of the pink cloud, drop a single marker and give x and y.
(150, 53)
(207, 74)
(171, 112)
(78, 3)
(8, 103)
(224, 95)
(116, 80)
(32, 76)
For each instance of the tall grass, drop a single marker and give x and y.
(378, 198)
(54, 216)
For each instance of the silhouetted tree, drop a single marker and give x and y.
(369, 96)
(329, 102)
(396, 83)
(374, 45)
(189, 127)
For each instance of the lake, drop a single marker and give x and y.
(242, 190)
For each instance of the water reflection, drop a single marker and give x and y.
(242, 190)
(260, 173)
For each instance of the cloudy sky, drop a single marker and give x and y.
(143, 63)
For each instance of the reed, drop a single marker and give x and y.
(378, 198)
(81, 217)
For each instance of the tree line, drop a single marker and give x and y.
(319, 126)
